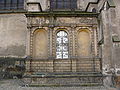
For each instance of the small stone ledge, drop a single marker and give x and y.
(62, 85)
(12, 58)
(63, 75)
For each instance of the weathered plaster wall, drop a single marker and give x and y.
(111, 22)
(117, 4)
(13, 35)
(106, 53)
(116, 31)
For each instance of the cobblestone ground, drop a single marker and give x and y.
(15, 84)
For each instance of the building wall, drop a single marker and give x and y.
(45, 4)
(14, 39)
(109, 24)
(13, 35)
(110, 18)
(116, 31)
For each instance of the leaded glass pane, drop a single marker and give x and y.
(20, 4)
(62, 45)
(60, 5)
(2, 4)
(53, 4)
(59, 0)
(65, 55)
(66, 5)
(7, 4)
(74, 5)
(63, 4)
(14, 4)
(11, 4)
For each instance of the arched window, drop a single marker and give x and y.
(62, 45)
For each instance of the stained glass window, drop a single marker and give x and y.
(20, 4)
(14, 4)
(2, 3)
(63, 4)
(11, 4)
(62, 45)
(7, 4)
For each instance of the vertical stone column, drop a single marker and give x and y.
(73, 41)
(51, 37)
(107, 48)
(108, 60)
(95, 40)
(112, 29)
(50, 42)
(73, 47)
(30, 46)
(92, 42)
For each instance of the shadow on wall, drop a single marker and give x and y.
(10, 70)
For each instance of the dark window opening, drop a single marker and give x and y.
(63, 4)
(11, 4)
(20, 4)
(2, 3)
(94, 10)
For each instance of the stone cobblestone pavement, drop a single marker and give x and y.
(15, 85)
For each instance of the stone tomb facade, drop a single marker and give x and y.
(62, 44)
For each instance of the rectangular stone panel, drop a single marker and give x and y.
(62, 65)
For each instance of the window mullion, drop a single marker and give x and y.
(70, 4)
(62, 47)
(11, 4)
(5, 4)
(63, 4)
(17, 4)
(62, 44)
(56, 3)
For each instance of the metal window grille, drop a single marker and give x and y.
(62, 45)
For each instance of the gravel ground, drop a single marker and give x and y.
(14, 84)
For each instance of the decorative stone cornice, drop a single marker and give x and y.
(62, 13)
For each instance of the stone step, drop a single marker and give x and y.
(81, 64)
(66, 85)
(64, 79)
